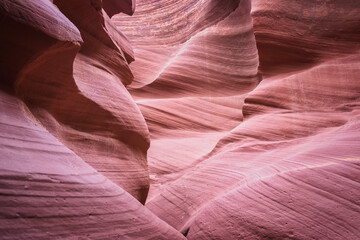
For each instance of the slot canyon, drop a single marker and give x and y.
(180, 119)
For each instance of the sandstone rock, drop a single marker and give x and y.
(47, 192)
(83, 101)
(295, 35)
(252, 109)
(309, 93)
(182, 91)
(113, 7)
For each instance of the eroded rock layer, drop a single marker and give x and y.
(296, 35)
(243, 118)
(62, 105)
(191, 92)
(83, 101)
(47, 192)
(209, 163)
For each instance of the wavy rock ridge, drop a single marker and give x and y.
(219, 147)
(242, 117)
(64, 106)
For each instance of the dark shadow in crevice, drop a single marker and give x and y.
(185, 232)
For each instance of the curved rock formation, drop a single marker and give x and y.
(284, 154)
(47, 190)
(191, 94)
(305, 97)
(295, 35)
(85, 105)
(113, 7)
(242, 116)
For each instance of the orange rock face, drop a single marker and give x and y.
(230, 119)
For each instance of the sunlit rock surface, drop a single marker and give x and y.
(243, 118)
(301, 120)
(195, 85)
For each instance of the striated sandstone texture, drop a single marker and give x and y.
(234, 159)
(236, 119)
(192, 91)
(72, 139)
(77, 93)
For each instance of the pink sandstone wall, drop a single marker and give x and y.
(209, 119)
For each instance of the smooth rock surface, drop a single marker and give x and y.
(241, 117)
(46, 190)
(302, 118)
(83, 101)
(192, 90)
(295, 35)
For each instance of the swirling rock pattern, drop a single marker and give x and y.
(85, 105)
(242, 116)
(192, 92)
(300, 34)
(47, 108)
(47, 192)
(300, 121)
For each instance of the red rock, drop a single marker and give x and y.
(84, 103)
(286, 118)
(171, 90)
(113, 7)
(293, 36)
(47, 192)
(86, 91)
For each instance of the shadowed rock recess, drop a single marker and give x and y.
(168, 119)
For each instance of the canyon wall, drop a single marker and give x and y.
(232, 158)
(229, 119)
(74, 143)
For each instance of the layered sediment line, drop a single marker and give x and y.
(242, 117)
